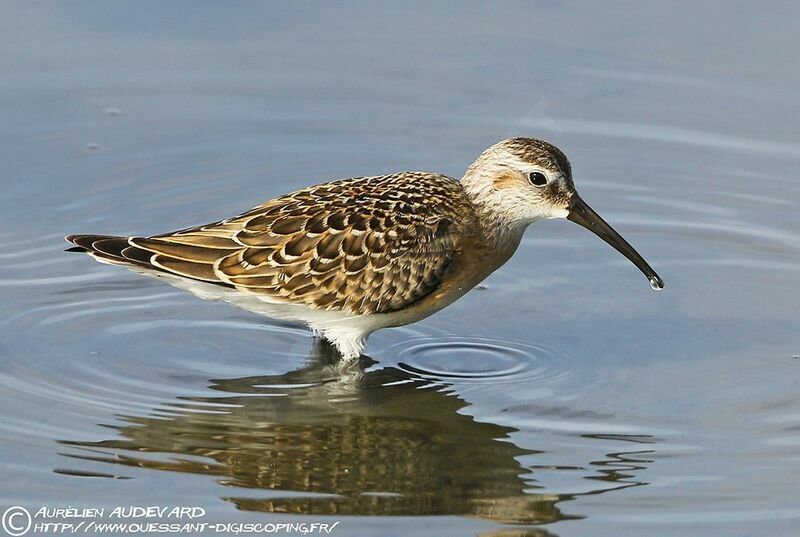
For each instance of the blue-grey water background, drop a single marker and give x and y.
(564, 397)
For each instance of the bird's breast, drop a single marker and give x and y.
(473, 263)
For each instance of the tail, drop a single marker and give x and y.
(150, 255)
(111, 249)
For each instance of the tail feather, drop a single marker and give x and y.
(112, 249)
(123, 251)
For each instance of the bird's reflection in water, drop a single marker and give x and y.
(378, 442)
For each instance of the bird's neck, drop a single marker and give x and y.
(500, 225)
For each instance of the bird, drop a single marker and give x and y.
(352, 256)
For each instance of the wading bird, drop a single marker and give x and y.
(352, 256)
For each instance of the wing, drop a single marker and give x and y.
(363, 245)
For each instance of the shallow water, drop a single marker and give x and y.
(563, 397)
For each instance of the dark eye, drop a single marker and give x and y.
(537, 178)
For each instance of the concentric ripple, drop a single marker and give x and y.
(478, 359)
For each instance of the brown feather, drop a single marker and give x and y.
(362, 245)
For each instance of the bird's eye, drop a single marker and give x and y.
(537, 179)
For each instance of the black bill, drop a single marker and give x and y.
(581, 213)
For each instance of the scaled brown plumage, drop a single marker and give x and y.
(362, 245)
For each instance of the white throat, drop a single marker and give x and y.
(501, 217)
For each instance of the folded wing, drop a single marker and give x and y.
(364, 245)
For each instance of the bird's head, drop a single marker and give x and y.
(521, 180)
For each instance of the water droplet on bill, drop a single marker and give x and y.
(656, 284)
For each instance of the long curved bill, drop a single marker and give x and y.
(581, 213)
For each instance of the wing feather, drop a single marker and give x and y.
(362, 245)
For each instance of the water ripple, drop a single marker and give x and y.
(664, 134)
(478, 359)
